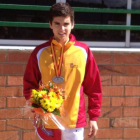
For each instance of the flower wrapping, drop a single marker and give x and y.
(47, 101)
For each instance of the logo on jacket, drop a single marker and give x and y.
(73, 66)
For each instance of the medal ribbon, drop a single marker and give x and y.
(57, 67)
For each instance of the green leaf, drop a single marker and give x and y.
(45, 89)
(56, 112)
(35, 105)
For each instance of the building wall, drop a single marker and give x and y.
(121, 90)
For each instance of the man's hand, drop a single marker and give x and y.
(93, 128)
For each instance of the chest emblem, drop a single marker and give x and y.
(73, 66)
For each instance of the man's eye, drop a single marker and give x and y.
(56, 23)
(66, 24)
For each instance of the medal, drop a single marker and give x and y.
(58, 79)
(57, 67)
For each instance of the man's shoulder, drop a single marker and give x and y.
(41, 46)
(82, 45)
(78, 43)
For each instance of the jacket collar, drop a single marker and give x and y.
(57, 45)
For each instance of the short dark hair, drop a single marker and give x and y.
(61, 9)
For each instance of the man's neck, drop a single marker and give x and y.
(62, 42)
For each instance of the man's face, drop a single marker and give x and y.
(61, 27)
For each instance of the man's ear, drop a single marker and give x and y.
(72, 25)
(50, 24)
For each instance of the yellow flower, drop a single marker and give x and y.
(39, 95)
(44, 102)
(52, 94)
(43, 92)
(45, 106)
(51, 107)
(35, 94)
(57, 105)
(34, 91)
(53, 100)
(60, 98)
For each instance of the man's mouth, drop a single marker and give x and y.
(61, 33)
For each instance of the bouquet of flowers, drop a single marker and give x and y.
(48, 98)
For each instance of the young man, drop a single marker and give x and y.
(77, 73)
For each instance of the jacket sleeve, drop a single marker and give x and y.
(92, 87)
(32, 76)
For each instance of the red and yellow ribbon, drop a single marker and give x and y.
(57, 63)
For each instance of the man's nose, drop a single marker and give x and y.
(62, 27)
